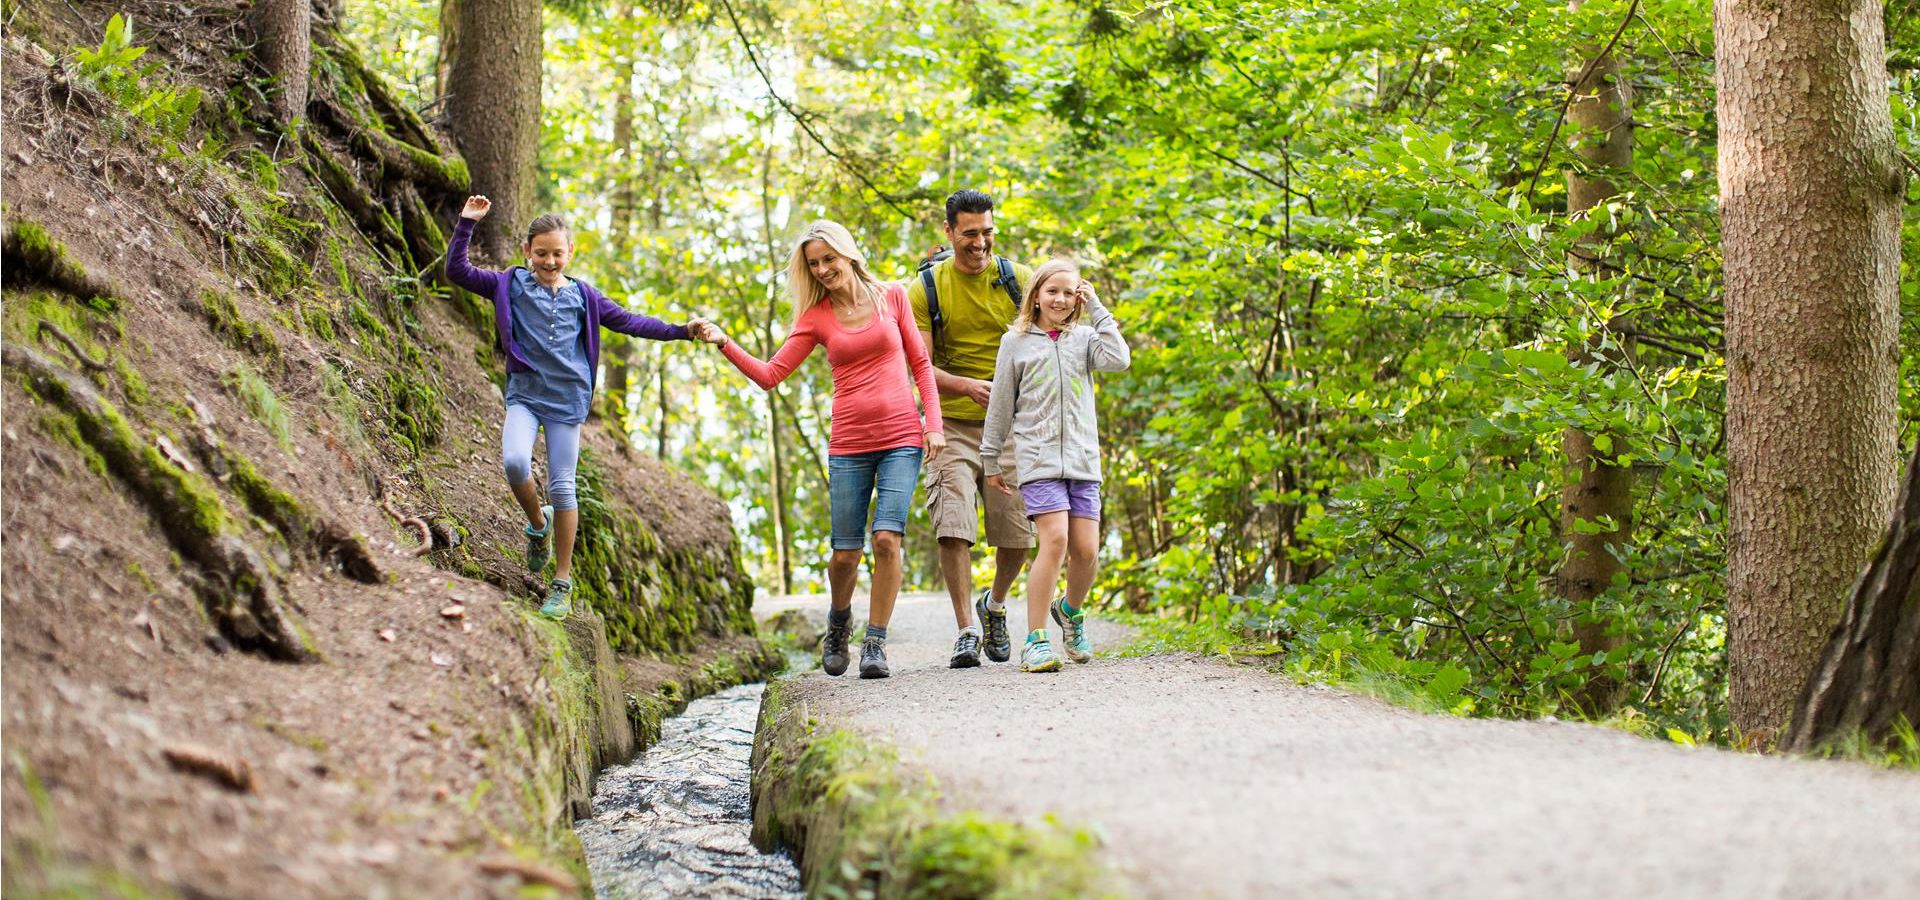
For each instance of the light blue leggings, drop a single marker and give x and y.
(563, 454)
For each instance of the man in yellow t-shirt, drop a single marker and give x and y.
(976, 301)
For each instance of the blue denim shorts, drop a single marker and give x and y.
(855, 481)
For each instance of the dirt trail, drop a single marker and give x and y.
(1207, 779)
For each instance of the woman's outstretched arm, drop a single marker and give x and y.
(794, 351)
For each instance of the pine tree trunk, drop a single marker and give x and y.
(493, 110)
(1868, 678)
(1810, 192)
(1598, 487)
(283, 46)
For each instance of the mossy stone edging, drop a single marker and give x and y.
(860, 825)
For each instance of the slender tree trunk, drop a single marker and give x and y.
(493, 110)
(1811, 194)
(620, 348)
(282, 34)
(1598, 489)
(1868, 678)
(660, 440)
(782, 538)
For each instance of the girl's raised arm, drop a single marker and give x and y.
(1108, 351)
(480, 281)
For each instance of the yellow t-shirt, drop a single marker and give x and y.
(977, 313)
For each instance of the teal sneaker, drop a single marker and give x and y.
(1038, 656)
(559, 600)
(1073, 632)
(540, 543)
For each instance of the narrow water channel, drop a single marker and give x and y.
(675, 822)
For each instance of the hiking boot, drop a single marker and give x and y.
(1038, 657)
(1073, 632)
(999, 647)
(833, 647)
(966, 651)
(540, 543)
(873, 658)
(559, 600)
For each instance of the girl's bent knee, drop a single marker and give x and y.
(518, 469)
(560, 494)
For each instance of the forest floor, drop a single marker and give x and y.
(1204, 778)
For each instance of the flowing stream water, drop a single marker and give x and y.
(675, 821)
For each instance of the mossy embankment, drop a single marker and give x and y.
(861, 823)
(231, 372)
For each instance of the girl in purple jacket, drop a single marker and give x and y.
(549, 327)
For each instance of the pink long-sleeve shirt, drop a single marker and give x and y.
(873, 406)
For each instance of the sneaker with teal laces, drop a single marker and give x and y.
(559, 600)
(1038, 656)
(540, 543)
(1073, 632)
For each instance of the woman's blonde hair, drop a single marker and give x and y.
(805, 290)
(1030, 304)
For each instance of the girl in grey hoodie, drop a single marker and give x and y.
(1043, 397)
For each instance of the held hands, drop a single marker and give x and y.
(703, 329)
(936, 445)
(999, 484)
(477, 208)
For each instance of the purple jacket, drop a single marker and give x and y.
(600, 310)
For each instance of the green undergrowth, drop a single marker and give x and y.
(260, 400)
(654, 600)
(1901, 749)
(861, 826)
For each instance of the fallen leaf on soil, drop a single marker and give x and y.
(441, 660)
(388, 635)
(530, 872)
(456, 611)
(231, 771)
(172, 453)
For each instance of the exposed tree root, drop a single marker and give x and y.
(243, 593)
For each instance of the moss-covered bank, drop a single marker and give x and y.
(861, 825)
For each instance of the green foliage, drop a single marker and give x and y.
(113, 68)
(259, 399)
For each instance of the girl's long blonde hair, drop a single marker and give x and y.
(1030, 305)
(805, 290)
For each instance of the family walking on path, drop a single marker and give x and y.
(1001, 356)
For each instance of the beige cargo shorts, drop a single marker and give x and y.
(956, 485)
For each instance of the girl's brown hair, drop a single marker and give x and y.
(1030, 305)
(544, 224)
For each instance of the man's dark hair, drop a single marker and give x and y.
(967, 201)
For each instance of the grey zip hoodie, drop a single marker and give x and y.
(1043, 397)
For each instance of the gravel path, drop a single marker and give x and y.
(1210, 780)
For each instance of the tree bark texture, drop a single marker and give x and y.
(283, 46)
(1810, 192)
(1597, 487)
(493, 111)
(1869, 675)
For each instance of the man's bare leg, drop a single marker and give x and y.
(956, 568)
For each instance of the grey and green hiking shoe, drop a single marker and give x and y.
(966, 651)
(559, 600)
(833, 648)
(1038, 657)
(540, 543)
(873, 658)
(999, 648)
(1073, 632)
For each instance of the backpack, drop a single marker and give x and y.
(1007, 282)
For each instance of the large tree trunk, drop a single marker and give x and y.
(1810, 192)
(1868, 678)
(1598, 489)
(283, 46)
(493, 110)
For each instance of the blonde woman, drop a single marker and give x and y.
(875, 446)
(1042, 404)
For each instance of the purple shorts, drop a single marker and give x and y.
(1081, 499)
